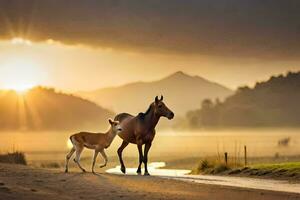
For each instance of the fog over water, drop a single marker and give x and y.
(259, 142)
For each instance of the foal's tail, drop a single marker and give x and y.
(72, 139)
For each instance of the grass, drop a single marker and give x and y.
(287, 170)
(284, 170)
(13, 158)
(289, 166)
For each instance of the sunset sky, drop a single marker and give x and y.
(85, 45)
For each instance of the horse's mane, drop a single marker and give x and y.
(142, 115)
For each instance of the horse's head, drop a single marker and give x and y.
(161, 109)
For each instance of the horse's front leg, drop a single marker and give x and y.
(147, 148)
(141, 158)
(120, 151)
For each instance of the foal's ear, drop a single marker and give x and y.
(110, 121)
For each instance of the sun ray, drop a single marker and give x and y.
(22, 115)
(33, 112)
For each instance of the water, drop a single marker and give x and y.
(260, 142)
(154, 168)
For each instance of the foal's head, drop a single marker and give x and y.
(161, 109)
(115, 125)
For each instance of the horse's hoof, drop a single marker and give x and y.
(146, 174)
(123, 170)
(139, 172)
(83, 170)
(66, 171)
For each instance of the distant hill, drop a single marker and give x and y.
(45, 109)
(275, 102)
(182, 92)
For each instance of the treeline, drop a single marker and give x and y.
(275, 102)
(46, 109)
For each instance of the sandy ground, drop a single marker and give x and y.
(21, 182)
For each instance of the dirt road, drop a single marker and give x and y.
(21, 182)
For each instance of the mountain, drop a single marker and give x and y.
(182, 92)
(45, 109)
(271, 103)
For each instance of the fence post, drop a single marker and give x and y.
(245, 155)
(226, 158)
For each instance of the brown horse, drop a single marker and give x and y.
(140, 130)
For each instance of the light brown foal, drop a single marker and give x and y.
(96, 141)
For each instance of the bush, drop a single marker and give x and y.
(210, 167)
(204, 164)
(13, 158)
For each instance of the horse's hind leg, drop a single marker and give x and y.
(120, 150)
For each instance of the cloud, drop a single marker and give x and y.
(248, 28)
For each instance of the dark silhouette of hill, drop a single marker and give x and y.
(182, 92)
(45, 109)
(271, 103)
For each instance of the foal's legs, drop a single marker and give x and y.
(94, 160)
(68, 159)
(105, 158)
(141, 158)
(79, 150)
(147, 148)
(120, 150)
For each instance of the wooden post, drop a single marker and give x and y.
(226, 158)
(245, 155)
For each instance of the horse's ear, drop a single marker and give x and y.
(161, 97)
(110, 121)
(156, 99)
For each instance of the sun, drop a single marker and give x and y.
(20, 75)
(21, 88)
